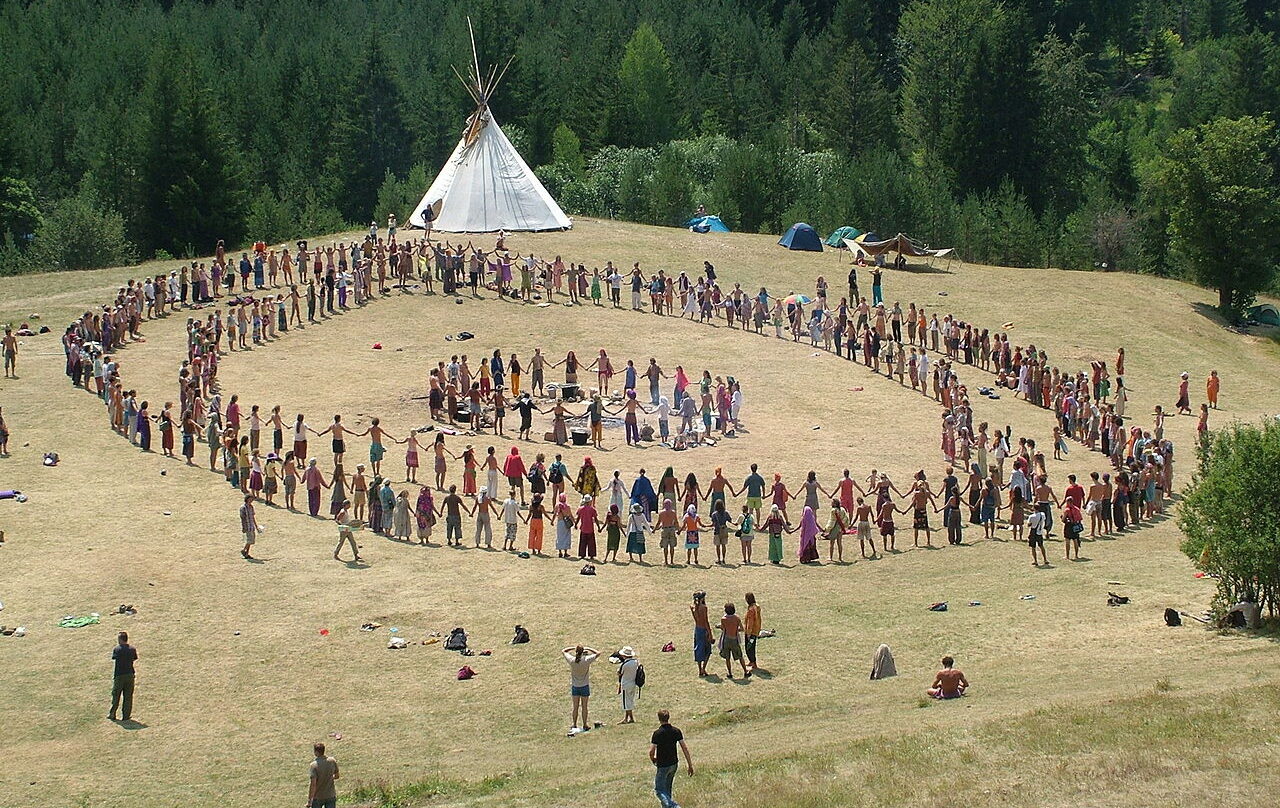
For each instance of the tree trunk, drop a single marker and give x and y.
(1225, 295)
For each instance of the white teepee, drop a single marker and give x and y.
(486, 185)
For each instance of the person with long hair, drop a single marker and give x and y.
(579, 659)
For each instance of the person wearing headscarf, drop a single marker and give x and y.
(808, 536)
(400, 516)
(588, 522)
(588, 482)
(691, 523)
(564, 526)
(637, 525)
(513, 469)
(775, 524)
(612, 532)
(388, 497)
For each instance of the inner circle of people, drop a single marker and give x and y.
(539, 492)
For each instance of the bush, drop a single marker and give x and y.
(80, 232)
(1231, 514)
(401, 196)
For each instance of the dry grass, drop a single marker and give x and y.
(1073, 702)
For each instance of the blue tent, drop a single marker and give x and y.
(801, 237)
(707, 224)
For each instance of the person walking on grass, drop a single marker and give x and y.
(123, 655)
(662, 754)
(248, 526)
(579, 659)
(323, 793)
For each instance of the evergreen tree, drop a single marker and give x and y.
(647, 94)
(967, 102)
(191, 184)
(370, 138)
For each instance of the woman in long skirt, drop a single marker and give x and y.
(536, 521)
(775, 525)
(425, 514)
(400, 519)
(808, 536)
(564, 526)
(637, 524)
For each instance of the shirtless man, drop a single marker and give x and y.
(10, 343)
(862, 519)
(731, 641)
(538, 364)
(1097, 494)
(921, 499)
(666, 525)
(630, 420)
(339, 433)
(1045, 499)
(701, 632)
(949, 683)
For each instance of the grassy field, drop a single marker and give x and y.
(1072, 703)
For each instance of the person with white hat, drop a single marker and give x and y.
(627, 686)
(1184, 394)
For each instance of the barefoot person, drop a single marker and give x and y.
(579, 659)
(949, 683)
(731, 640)
(701, 632)
(10, 344)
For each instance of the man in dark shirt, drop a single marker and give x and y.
(453, 507)
(662, 753)
(124, 655)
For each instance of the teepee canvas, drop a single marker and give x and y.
(486, 185)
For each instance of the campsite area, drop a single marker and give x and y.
(244, 665)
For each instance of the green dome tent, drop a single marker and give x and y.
(1264, 313)
(837, 238)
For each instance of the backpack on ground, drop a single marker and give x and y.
(522, 636)
(456, 641)
(1172, 618)
(466, 672)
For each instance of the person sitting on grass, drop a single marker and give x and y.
(949, 683)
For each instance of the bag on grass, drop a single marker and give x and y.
(522, 636)
(1172, 618)
(456, 641)
(465, 672)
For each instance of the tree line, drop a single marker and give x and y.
(1119, 134)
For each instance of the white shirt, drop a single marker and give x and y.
(511, 511)
(627, 673)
